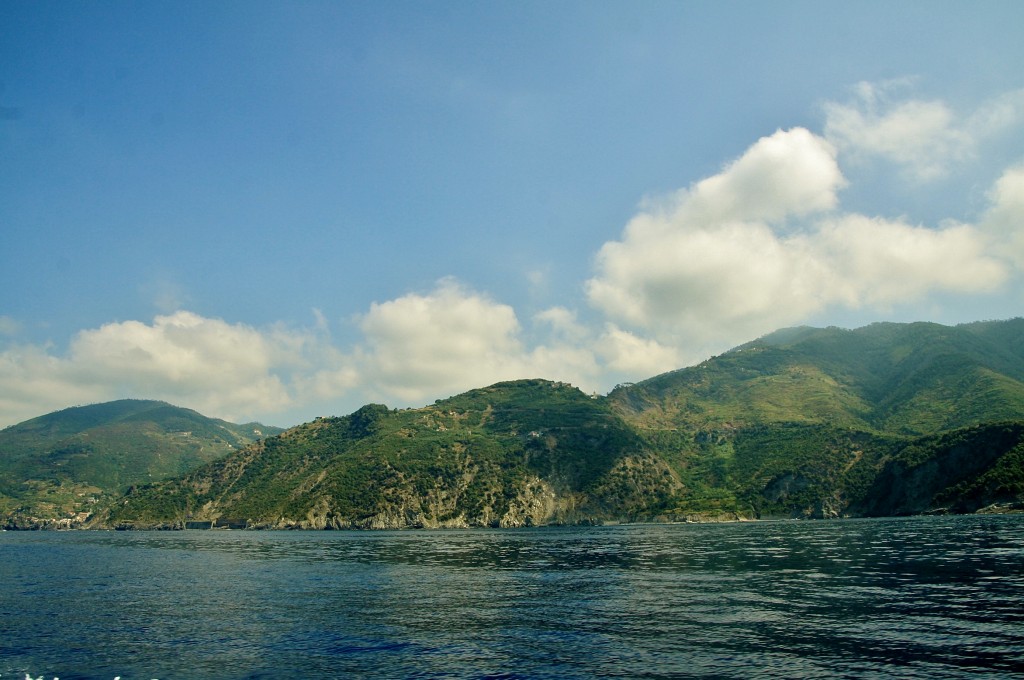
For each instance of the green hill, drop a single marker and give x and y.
(905, 378)
(805, 422)
(802, 421)
(513, 454)
(64, 462)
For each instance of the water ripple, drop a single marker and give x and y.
(907, 598)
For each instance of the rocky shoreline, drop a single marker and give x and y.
(379, 523)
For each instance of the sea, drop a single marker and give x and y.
(921, 597)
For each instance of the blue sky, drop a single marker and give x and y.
(277, 211)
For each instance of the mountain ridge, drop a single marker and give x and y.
(60, 464)
(803, 422)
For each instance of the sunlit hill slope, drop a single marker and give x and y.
(63, 463)
(886, 419)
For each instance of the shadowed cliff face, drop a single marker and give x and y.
(964, 471)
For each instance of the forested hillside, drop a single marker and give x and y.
(57, 467)
(805, 422)
(513, 454)
(886, 419)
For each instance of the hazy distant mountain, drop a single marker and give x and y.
(67, 461)
(886, 419)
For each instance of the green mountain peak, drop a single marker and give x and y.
(803, 422)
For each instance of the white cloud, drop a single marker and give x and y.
(631, 355)
(453, 339)
(695, 285)
(220, 369)
(876, 262)
(538, 280)
(576, 364)
(1004, 221)
(790, 173)
(415, 348)
(720, 267)
(448, 339)
(594, 358)
(562, 324)
(217, 366)
(761, 245)
(709, 268)
(997, 115)
(166, 294)
(568, 352)
(924, 138)
(33, 382)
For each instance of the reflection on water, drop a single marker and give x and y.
(921, 598)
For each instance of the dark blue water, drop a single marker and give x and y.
(911, 598)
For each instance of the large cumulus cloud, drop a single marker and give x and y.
(222, 369)
(1004, 221)
(413, 348)
(453, 338)
(762, 245)
(444, 339)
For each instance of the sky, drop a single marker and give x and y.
(276, 211)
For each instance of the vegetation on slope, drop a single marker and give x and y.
(513, 454)
(886, 419)
(802, 421)
(64, 462)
